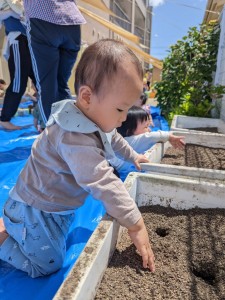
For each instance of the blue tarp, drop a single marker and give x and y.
(15, 148)
(160, 123)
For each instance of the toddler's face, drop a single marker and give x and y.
(110, 109)
(142, 127)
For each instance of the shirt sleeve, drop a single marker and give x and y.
(85, 157)
(142, 142)
(122, 148)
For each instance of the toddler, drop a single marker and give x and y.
(69, 160)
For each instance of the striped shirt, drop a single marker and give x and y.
(61, 12)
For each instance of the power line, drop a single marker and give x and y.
(168, 21)
(194, 7)
(186, 5)
(179, 4)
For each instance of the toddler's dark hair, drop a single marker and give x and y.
(135, 115)
(143, 98)
(102, 60)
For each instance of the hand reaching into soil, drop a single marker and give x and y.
(177, 141)
(139, 237)
(140, 158)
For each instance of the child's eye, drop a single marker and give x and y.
(120, 110)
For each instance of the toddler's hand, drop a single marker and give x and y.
(140, 159)
(139, 237)
(177, 141)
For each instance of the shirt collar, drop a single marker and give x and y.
(70, 118)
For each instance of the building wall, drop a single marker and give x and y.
(91, 32)
(138, 22)
(220, 70)
(213, 9)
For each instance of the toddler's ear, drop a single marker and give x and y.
(85, 96)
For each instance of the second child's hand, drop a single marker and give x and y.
(177, 141)
(141, 158)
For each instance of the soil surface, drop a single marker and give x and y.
(196, 156)
(189, 248)
(206, 129)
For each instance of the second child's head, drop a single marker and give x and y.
(108, 81)
(137, 122)
(142, 100)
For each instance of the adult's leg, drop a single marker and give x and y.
(68, 55)
(19, 68)
(43, 42)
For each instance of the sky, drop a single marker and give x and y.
(171, 20)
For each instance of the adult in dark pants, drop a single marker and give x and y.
(53, 30)
(20, 68)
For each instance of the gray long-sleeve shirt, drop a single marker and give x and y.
(68, 161)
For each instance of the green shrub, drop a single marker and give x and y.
(186, 87)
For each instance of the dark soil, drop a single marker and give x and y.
(196, 156)
(189, 248)
(206, 129)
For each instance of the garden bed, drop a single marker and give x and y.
(190, 258)
(206, 129)
(212, 140)
(185, 123)
(196, 156)
(208, 163)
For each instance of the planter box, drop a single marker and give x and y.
(156, 153)
(146, 189)
(183, 171)
(214, 140)
(188, 244)
(185, 123)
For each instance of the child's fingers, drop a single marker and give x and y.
(181, 139)
(181, 144)
(140, 159)
(178, 143)
(148, 258)
(137, 165)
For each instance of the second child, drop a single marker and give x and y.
(137, 133)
